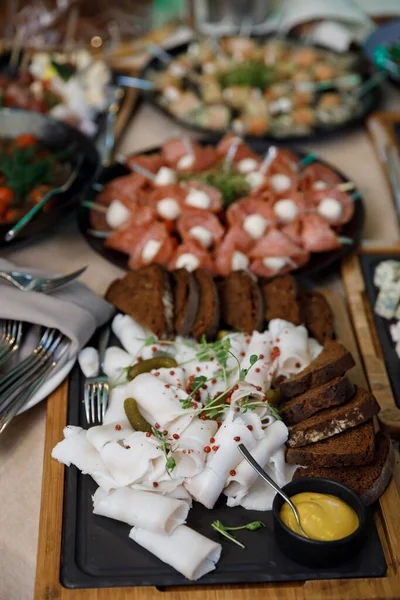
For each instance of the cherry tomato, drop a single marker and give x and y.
(26, 140)
(38, 193)
(6, 195)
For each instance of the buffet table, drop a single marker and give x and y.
(64, 250)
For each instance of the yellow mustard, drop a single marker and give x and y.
(322, 516)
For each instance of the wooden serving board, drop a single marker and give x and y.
(48, 586)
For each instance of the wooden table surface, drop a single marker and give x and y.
(21, 447)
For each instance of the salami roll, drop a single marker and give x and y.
(187, 551)
(231, 254)
(202, 196)
(253, 215)
(150, 162)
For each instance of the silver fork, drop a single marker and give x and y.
(10, 339)
(22, 374)
(97, 389)
(29, 283)
(23, 393)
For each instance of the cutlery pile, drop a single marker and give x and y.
(20, 383)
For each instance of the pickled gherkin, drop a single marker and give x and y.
(134, 417)
(145, 366)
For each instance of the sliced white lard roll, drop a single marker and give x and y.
(294, 355)
(130, 333)
(100, 435)
(115, 412)
(275, 436)
(153, 512)
(76, 450)
(190, 455)
(88, 360)
(207, 486)
(158, 402)
(115, 361)
(259, 374)
(173, 376)
(186, 550)
(128, 464)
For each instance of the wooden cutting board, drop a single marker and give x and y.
(387, 516)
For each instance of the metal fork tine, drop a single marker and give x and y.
(92, 412)
(105, 401)
(99, 398)
(53, 284)
(87, 405)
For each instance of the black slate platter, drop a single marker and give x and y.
(369, 262)
(318, 263)
(97, 552)
(369, 103)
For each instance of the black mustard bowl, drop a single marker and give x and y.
(316, 553)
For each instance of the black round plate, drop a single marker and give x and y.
(318, 263)
(370, 102)
(56, 136)
(382, 36)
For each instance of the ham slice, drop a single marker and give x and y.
(243, 150)
(175, 149)
(151, 162)
(154, 245)
(276, 254)
(327, 203)
(275, 243)
(235, 241)
(191, 255)
(200, 225)
(214, 195)
(317, 236)
(312, 176)
(238, 212)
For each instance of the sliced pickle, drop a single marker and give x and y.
(145, 366)
(134, 417)
(274, 397)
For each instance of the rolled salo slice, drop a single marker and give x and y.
(186, 550)
(150, 511)
(88, 360)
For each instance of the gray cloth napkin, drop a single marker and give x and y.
(74, 310)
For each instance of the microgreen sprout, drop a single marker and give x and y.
(224, 530)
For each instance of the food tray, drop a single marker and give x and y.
(373, 331)
(319, 262)
(51, 549)
(370, 102)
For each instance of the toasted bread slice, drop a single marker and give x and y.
(368, 481)
(332, 421)
(333, 393)
(333, 361)
(186, 301)
(145, 294)
(356, 446)
(318, 315)
(241, 302)
(281, 299)
(208, 313)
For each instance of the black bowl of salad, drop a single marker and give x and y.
(37, 154)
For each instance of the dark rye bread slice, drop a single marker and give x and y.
(186, 301)
(333, 361)
(241, 302)
(145, 294)
(333, 393)
(281, 299)
(356, 446)
(208, 312)
(368, 481)
(332, 421)
(318, 315)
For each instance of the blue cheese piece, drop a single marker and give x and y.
(388, 300)
(387, 272)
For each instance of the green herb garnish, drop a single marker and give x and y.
(166, 448)
(250, 74)
(224, 530)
